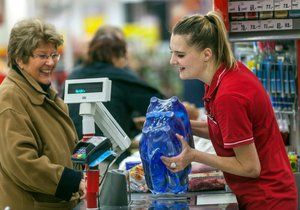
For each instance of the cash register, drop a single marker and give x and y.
(92, 150)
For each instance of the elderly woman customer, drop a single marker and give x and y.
(37, 135)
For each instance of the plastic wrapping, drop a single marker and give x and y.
(137, 179)
(164, 119)
(170, 205)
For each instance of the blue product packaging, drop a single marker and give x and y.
(164, 119)
(170, 204)
(130, 164)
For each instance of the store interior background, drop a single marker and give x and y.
(146, 24)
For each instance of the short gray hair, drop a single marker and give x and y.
(26, 36)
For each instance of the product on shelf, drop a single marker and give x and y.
(265, 15)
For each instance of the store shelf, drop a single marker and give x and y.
(265, 25)
(263, 5)
(263, 36)
(285, 112)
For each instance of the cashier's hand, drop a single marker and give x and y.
(82, 189)
(179, 162)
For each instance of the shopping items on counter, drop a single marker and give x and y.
(213, 180)
(137, 179)
(203, 177)
(131, 164)
(164, 119)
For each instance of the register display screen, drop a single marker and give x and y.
(80, 88)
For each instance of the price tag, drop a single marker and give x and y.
(271, 25)
(266, 5)
(243, 27)
(252, 6)
(282, 4)
(238, 26)
(233, 6)
(253, 25)
(295, 4)
(283, 24)
(237, 6)
(264, 25)
(242, 6)
(246, 26)
(234, 26)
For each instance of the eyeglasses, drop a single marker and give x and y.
(55, 56)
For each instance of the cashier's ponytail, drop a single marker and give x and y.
(207, 31)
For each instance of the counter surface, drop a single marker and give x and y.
(207, 200)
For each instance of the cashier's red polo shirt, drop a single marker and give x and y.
(239, 112)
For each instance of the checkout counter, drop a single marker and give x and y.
(206, 200)
(90, 93)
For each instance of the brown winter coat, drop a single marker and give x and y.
(36, 141)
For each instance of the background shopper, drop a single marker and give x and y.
(130, 96)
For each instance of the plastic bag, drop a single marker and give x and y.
(164, 119)
(137, 179)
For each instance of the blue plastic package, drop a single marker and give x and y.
(164, 119)
(170, 204)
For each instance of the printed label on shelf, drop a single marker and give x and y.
(267, 25)
(283, 24)
(295, 4)
(243, 6)
(237, 26)
(250, 6)
(266, 5)
(253, 25)
(243, 26)
(282, 4)
(270, 23)
(233, 6)
(261, 25)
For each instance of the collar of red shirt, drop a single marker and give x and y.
(210, 90)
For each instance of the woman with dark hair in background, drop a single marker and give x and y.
(130, 96)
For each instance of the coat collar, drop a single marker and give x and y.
(31, 87)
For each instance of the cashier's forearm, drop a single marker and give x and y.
(227, 164)
(200, 128)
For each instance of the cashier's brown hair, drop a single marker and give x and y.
(207, 31)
